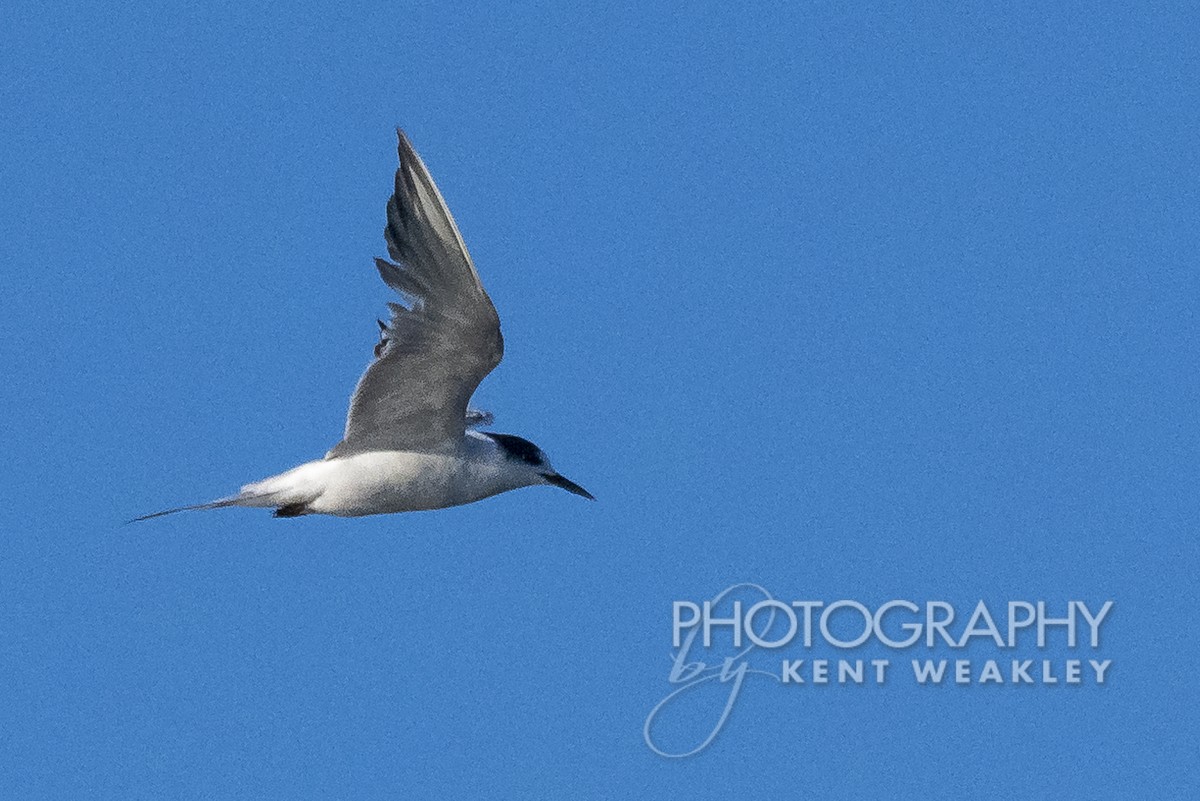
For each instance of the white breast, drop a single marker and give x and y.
(398, 481)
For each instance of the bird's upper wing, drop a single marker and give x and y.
(435, 350)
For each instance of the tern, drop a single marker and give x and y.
(411, 442)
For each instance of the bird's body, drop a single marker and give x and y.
(381, 482)
(408, 444)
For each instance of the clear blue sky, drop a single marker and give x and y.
(863, 303)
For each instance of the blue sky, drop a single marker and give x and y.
(852, 303)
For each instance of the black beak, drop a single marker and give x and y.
(568, 485)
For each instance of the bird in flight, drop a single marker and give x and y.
(410, 442)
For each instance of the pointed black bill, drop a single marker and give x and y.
(568, 485)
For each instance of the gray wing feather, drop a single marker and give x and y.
(439, 346)
(478, 417)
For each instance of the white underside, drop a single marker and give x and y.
(381, 482)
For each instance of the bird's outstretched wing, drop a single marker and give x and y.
(439, 346)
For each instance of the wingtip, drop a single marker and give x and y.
(402, 142)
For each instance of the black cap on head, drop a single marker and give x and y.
(518, 448)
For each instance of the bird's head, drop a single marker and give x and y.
(525, 456)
